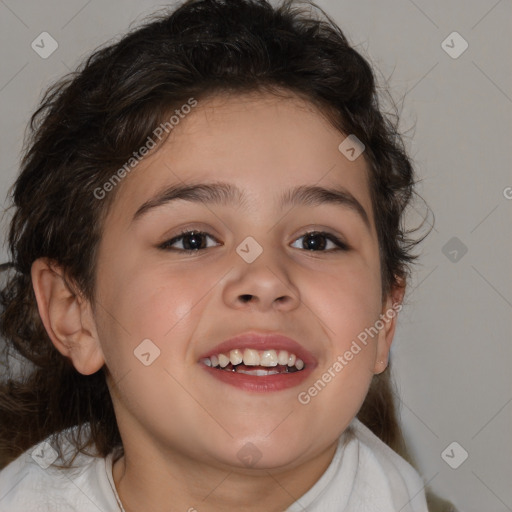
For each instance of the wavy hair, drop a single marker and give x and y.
(89, 123)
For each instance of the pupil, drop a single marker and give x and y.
(314, 239)
(194, 237)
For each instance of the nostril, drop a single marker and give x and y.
(246, 298)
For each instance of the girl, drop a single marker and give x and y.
(207, 267)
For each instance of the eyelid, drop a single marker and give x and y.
(187, 228)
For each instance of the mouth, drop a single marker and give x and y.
(256, 362)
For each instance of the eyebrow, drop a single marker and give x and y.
(227, 193)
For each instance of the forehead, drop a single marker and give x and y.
(262, 144)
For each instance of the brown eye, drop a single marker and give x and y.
(190, 241)
(317, 241)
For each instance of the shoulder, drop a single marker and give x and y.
(398, 478)
(34, 482)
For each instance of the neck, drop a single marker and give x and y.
(151, 482)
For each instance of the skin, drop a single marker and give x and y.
(181, 428)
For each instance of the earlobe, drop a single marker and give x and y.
(66, 317)
(391, 307)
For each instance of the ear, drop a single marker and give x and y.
(67, 317)
(391, 306)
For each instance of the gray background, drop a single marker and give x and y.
(452, 352)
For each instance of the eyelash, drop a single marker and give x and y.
(341, 246)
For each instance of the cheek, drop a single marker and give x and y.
(348, 300)
(346, 305)
(155, 303)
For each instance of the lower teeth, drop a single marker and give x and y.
(258, 371)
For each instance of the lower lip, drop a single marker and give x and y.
(261, 384)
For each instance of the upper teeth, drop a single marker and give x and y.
(251, 357)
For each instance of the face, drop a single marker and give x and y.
(253, 269)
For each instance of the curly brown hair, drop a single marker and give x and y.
(89, 123)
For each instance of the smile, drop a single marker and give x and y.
(259, 362)
(255, 362)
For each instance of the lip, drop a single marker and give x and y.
(263, 384)
(261, 341)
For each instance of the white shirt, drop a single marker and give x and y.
(364, 475)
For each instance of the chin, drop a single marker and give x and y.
(265, 454)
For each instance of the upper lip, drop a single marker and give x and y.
(263, 341)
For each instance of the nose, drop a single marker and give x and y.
(265, 284)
